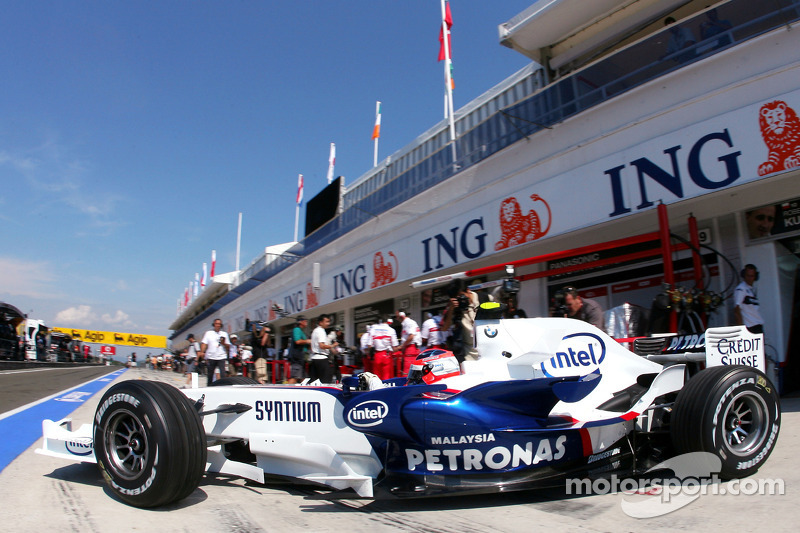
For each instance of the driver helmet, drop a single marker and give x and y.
(432, 366)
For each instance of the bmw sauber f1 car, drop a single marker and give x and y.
(549, 399)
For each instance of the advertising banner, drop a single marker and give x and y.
(113, 337)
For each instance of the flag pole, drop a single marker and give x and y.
(448, 77)
(296, 220)
(238, 241)
(376, 132)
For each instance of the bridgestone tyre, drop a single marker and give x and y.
(149, 443)
(730, 411)
(233, 380)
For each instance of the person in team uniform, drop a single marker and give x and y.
(432, 337)
(384, 343)
(410, 340)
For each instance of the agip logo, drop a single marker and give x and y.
(577, 355)
(367, 414)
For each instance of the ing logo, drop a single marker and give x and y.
(311, 297)
(382, 271)
(516, 228)
(780, 129)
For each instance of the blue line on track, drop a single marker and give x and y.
(20, 430)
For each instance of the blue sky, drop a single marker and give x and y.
(132, 133)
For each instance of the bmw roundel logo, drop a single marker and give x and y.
(490, 332)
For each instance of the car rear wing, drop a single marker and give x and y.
(730, 345)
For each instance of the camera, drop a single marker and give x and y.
(463, 301)
(279, 311)
(559, 304)
(510, 283)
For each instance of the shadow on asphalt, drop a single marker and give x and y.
(83, 473)
(89, 474)
(551, 500)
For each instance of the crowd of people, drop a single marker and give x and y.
(389, 346)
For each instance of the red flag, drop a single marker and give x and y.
(448, 19)
(213, 262)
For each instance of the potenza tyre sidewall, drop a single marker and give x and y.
(706, 418)
(196, 452)
(140, 417)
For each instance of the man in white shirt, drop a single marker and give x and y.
(410, 340)
(431, 336)
(365, 345)
(745, 301)
(320, 367)
(191, 358)
(234, 361)
(384, 341)
(214, 347)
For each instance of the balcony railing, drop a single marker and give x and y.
(613, 75)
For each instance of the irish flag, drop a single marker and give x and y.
(376, 131)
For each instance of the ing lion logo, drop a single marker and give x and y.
(382, 272)
(780, 129)
(311, 297)
(516, 228)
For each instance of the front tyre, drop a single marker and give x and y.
(233, 380)
(732, 412)
(149, 443)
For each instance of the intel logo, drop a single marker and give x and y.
(79, 447)
(581, 353)
(367, 414)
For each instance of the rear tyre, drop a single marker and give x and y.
(730, 411)
(149, 443)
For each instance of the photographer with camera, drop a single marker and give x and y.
(570, 304)
(261, 336)
(460, 314)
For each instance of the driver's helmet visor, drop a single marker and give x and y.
(417, 373)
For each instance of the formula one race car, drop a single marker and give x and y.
(549, 399)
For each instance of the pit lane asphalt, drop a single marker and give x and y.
(40, 493)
